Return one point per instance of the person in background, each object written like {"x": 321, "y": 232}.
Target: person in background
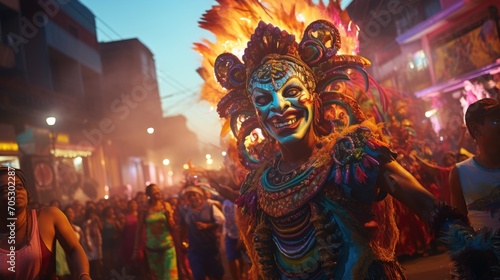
{"x": 79, "y": 210}
{"x": 142, "y": 200}
{"x": 233, "y": 245}
{"x": 180, "y": 249}
{"x": 62, "y": 268}
{"x": 93, "y": 241}
{"x": 111, "y": 228}
{"x": 133, "y": 266}
{"x": 158, "y": 223}
{"x": 200, "y": 222}
{"x": 475, "y": 182}
{"x": 36, "y": 232}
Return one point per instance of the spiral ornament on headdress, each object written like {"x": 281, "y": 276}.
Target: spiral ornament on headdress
{"x": 316, "y": 56}
{"x": 229, "y": 71}
{"x": 321, "y": 41}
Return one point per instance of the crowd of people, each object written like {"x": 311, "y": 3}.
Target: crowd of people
{"x": 154, "y": 236}
{"x": 324, "y": 192}
{"x": 191, "y": 234}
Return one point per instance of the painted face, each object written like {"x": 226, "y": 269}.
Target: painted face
{"x": 283, "y": 102}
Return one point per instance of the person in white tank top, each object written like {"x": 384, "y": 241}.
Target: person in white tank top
{"x": 475, "y": 182}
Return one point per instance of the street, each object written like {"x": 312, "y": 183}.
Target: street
{"x": 435, "y": 267}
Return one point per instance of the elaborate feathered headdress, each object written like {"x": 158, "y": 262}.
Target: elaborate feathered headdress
{"x": 316, "y": 54}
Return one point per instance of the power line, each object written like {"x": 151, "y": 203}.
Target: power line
{"x": 112, "y": 30}
{"x": 178, "y": 85}
{"x": 173, "y": 79}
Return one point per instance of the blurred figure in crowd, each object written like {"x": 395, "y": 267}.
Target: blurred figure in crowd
{"x": 111, "y": 228}
{"x": 200, "y": 221}
{"x": 158, "y": 222}
{"x": 93, "y": 241}
{"x": 133, "y": 266}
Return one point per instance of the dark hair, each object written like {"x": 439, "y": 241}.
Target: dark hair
{"x": 89, "y": 211}
{"x": 67, "y": 208}
{"x": 19, "y": 173}
{"x": 447, "y": 155}
{"x": 149, "y": 189}
{"x": 106, "y": 210}
{"x": 479, "y": 110}
{"x": 4, "y": 170}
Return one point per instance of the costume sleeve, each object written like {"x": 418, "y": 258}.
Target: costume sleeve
{"x": 475, "y": 254}
{"x": 358, "y": 153}
{"x": 218, "y": 216}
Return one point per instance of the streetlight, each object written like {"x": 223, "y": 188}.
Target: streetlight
{"x": 170, "y": 173}
{"x": 47, "y": 194}
{"x": 51, "y": 121}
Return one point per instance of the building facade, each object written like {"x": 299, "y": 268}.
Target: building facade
{"x": 103, "y": 98}
{"x": 446, "y": 53}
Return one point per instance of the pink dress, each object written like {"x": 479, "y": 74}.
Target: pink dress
{"x": 32, "y": 261}
{"x": 128, "y": 237}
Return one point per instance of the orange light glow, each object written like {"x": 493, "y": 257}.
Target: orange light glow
{"x": 232, "y": 23}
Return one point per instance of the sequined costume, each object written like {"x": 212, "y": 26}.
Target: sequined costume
{"x": 307, "y": 216}
{"x": 315, "y": 203}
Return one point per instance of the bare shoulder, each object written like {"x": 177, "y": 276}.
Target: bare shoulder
{"x": 50, "y": 212}
{"x": 167, "y": 205}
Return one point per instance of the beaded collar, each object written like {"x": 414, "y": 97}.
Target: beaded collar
{"x": 281, "y": 193}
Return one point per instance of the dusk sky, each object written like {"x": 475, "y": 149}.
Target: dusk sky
{"x": 169, "y": 29}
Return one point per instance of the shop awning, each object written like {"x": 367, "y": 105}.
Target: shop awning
{"x": 457, "y": 83}
{"x": 8, "y": 143}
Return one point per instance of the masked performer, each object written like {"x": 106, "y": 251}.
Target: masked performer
{"x": 315, "y": 204}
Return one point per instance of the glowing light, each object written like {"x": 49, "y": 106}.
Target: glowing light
{"x": 166, "y": 161}
{"x": 78, "y": 160}
{"x": 232, "y": 23}
{"x": 8, "y": 146}
{"x": 245, "y": 19}
{"x": 150, "y": 130}
{"x": 301, "y": 18}
{"x": 106, "y": 192}
{"x": 208, "y": 156}
{"x": 210, "y": 161}
{"x": 224, "y": 153}
{"x": 430, "y": 113}
{"x": 185, "y": 166}
{"x": 50, "y": 121}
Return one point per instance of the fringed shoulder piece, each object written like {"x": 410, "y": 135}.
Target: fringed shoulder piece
{"x": 358, "y": 153}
